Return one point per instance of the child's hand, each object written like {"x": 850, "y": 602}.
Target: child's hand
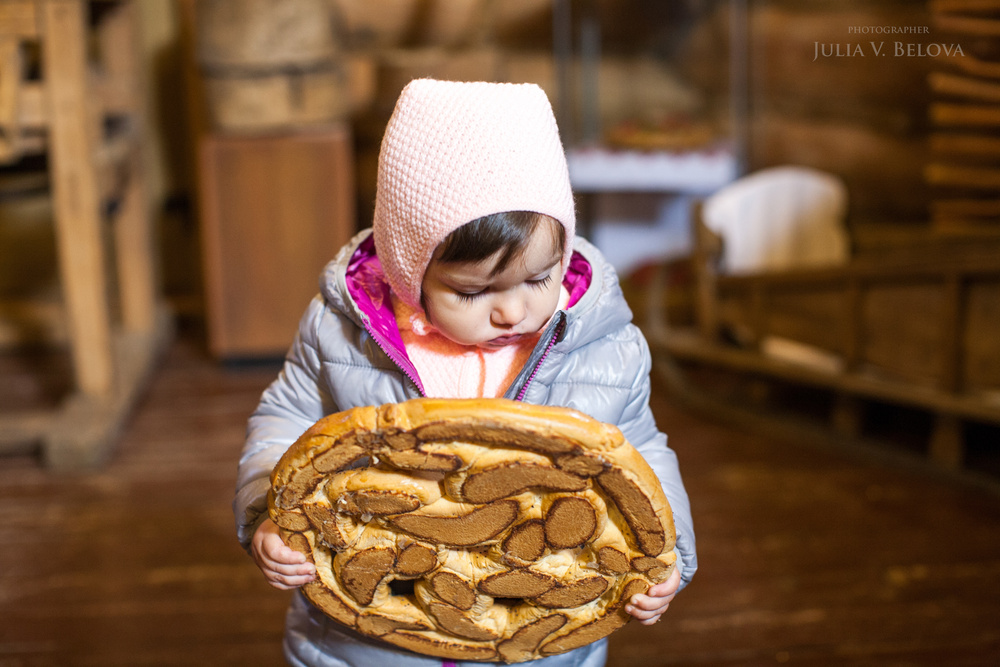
{"x": 283, "y": 567}
{"x": 649, "y": 607}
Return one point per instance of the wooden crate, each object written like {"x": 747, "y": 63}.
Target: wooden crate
{"x": 274, "y": 210}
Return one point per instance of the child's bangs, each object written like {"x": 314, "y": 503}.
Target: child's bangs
{"x": 507, "y": 233}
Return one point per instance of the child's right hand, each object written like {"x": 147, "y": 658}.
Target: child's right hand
{"x": 283, "y": 567}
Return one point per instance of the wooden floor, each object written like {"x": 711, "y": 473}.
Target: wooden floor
{"x": 809, "y": 556}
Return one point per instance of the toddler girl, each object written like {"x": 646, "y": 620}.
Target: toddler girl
{"x": 470, "y": 284}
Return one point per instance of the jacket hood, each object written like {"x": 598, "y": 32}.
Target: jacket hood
{"x": 333, "y": 280}
{"x": 602, "y": 309}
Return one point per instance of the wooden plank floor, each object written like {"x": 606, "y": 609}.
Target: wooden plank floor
{"x": 809, "y": 556}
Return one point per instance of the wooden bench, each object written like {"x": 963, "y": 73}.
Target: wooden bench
{"x": 918, "y": 326}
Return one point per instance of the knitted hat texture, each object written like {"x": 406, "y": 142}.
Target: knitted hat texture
{"x": 457, "y": 151}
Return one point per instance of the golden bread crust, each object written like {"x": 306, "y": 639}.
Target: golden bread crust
{"x": 521, "y": 530}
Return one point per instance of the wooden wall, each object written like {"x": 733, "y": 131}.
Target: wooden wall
{"x": 861, "y": 115}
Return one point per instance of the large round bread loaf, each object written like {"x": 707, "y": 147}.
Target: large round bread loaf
{"x": 481, "y": 529}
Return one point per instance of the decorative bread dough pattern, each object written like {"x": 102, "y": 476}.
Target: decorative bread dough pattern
{"x": 482, "y": 529}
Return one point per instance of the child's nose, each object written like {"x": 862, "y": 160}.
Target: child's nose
{"x": 508, "y": 311}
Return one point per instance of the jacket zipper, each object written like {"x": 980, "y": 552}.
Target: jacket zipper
{"x": 390, "y": 351}
{"x": 548, "y": 346}
{"x": 405, "y": 365}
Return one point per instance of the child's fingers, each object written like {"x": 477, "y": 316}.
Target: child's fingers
{"x": 282, "y": 566}
{"x": 644, "y": 607}
{"x": 290, "y": 569}
{"x": 273, "y": 547}
{"x": 287, "y": 581}
{"x": 666, "y": 588}
{"x": 287, "y": 575}
{"x": 287, "y": 562}
{"x": 647, "y": 609}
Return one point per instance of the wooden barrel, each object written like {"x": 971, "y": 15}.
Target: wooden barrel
{"x": 270, "y": 64}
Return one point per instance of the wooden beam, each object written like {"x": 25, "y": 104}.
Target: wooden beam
{"x": 965, "y": 144}
{"x": 975, "y": 66}
{"x": 687, "y": 345}
{"x": 847, "y": 410}
{"x": 86, "y": 428}
{"x": 77, "y": 207}
{"x": 133, "y": 239}
{"x": 854, "y": 328}
{"x": 111, "y": 95}
{"x": 706, "y": 252}
{"x": 952, "y": 226}
{"x": 10, "y": 94}
{"x": 965, "y": 115}
{"x": 953, "y": 334}
{"x": 19, "y": 18}
{"x": 33, "y": 106}
{"x": 119, "y": 85}
{"x": 961, "y": 176}
{"x": 944, "y": 83}
{"x": 984, "y": 260}
{"x": 121, "y": 54}
{"x": 959, "y": 208}
{"x": 952, "y": 6}
{"x": 966, "y": 25}
{"x": 758, "y": 312}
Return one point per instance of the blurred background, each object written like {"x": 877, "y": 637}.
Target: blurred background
{"x": 811, "y": 188}
{"x": 802, "y": 201}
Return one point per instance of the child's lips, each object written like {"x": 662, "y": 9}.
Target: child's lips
{"x": 506, "y": 339}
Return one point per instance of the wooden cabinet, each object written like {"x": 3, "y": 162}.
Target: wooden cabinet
{"x": 274, "y": 210}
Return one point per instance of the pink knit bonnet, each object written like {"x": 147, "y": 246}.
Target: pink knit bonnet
{"x": 457, "y": 151}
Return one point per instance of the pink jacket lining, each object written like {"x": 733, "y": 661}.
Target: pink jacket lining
{"x": 367, "y": 286}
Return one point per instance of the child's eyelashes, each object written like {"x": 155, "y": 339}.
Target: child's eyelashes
{"x": 536, "y": 283}
{"x": 469, "y": 296}
{"x": 541, "y": 283}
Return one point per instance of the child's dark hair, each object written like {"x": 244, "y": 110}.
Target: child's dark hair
{"x": 508, "y": 232}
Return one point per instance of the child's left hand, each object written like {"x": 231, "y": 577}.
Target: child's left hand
{"x": 649, "y": 607}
